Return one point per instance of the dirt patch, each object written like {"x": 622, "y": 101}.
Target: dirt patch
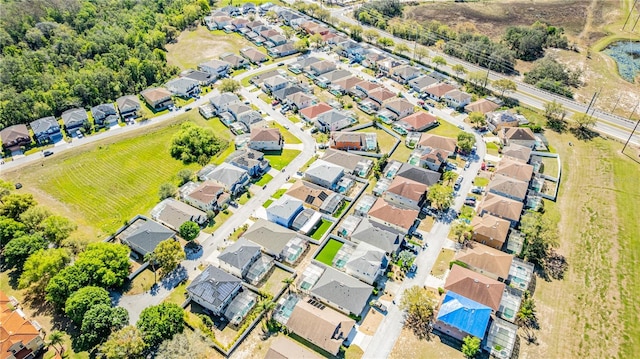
{"x": 442, "y": 263}
{"x": 371, "y": 322}
{"x": 410, "y": 346}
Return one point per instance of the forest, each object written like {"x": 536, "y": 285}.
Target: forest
{"x": 61, "y": 54}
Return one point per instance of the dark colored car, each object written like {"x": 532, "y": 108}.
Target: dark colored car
{"x": 47, "y": 153}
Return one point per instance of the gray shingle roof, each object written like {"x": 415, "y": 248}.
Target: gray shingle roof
{"x": 343, "y": 290}
{"x": 214, "y": 286}
{"x": 240, "y": 253}
{"x": 418, "y": 174}
{"x": 147, "y": 236}
{"x": 285, "y": 207}
{"x": 226, "y": 174}
{"x": 377, "y": 235}
{"x": 128, "y": 103}
{"x": 224, "y": 98}
{"x": 44, "y": 124}
{"x": 269, "y": 235}
{"x": 74, "y": 117}
{"x": 324, "y": 170}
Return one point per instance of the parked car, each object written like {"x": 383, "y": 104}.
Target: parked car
{"x": 79, "y": 134}
{"x": 47, "y": 153}
{"x": 477, "y": 190}
{"x": 377, "y": 304}
{"x": 186, "y": 109}
{"x": 275, "y": 103}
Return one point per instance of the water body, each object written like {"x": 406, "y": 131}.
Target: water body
{"x": 627, "y": 56}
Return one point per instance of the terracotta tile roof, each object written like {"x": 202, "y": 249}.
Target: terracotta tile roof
{"x": 486, "y": 259}
{"x": 475, "y": 286}
{"x": 316, "y": 110}
{"x": 438, "y": 142}
{"x": 400, "y": 217}
{"x": 515, "y": 169}
{"x": 439, "y": 90}
{"x": 266, "y": 134}
{"x": 14, "y": 328}
{"x": 502, "y": 207}
{"x": 407, "y": 188}
{"x": 206, "y": 192}
{"x": 491, "y": 227}
{"x": 367, "y": 85}
{"x": 420, "y": 119}
{"x": 483, "y": 106}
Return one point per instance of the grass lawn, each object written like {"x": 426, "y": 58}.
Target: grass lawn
{"x": 442, "y": 262}
{"x": 480, "y": 181}
{"x": 141, "y": 283}
{"x": 267, "y": 203}
{"x": 294, "y": 119}
{"x": 550, "y": 167}
{"x": 281, "y": 160}
{"x": 220, "y": 218}
{"x": 266, "y": 178}
{"x": 264, "y": 97}
{"x": 329, "y": 251}
{"x": 341, "y": 209}
{"x": 274, "y": 283}
{"x": 492, "y": 148}
{"x": 385, "y": 140}
{"x": 321, "y": 230}
{"x": 279, "y": 193}
{"x": 445, "y": 129}
{"x": 243, "y": 199}
{"x": 353, "y": 352}
{"x": 288, "y": 136}
{"x": 178, "y": 294}
{"x": 401, "y": 153}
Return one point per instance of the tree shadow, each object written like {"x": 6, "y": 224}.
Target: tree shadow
{"x": 584, "y": 134}
{"x": 559, "y": 126}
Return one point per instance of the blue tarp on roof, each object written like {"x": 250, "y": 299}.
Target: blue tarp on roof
{"x": 465, "y": 314}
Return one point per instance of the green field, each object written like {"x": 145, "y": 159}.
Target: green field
{"x": 480, "y": 181}
{"x": 321, "y": 230}
{"x": 281, "y": 160}
{"x": 102, "y": 185}
{"x": 492, "y": 148}
{"x": 266, "y": 178}
{"x": 328, "y": 252}
{"x": 286, "y": 134}
{"x": 445, "y": 129}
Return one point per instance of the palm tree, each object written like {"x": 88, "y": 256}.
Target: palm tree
{"x": 56, "y": 337}
{"x": 449, "y": 176}
{"x": 289, "y": 282}
{"x": 267, "y": 306}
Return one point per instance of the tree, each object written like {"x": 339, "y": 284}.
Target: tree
{"x": 477, "y": 78}
{"x": 266, "y": 306}
{"x": 301, "y": 45}
{"x": 98, "y": 323}
{"x": 229, "y": 85}
{"x": 184, "y": 345}
{"x": 323, "y": 14}
{"x": 526, "y": 316}
{"x": 449, "y": 176}
{"x": 189, "y": 231}
{"x": 470, "y": 346}
{"x": 400, "y": 48}
{"x": 185, "y": 176}
{"x": 555, "y": 113}
{"x": 41, "y": 266}
{"x": 84, "y": 299}
{"x": 370, "y": 34}
{"x": 439, "y": 61}
{"x": 19, "y": 249}
{"x": 271, "y": 15}
{"x": 459, "y": 69}
{"x": 421, "y": 52}
{"x": 477, "y": 119}
{"x": 14, "y": 204}
{"x": 125, "y": 343}
{"x": 5, "y": 188}
{"x": 466, "y": 141}
{"x": 168, "y": 255}
{"x": 418, "y": 303}
{"x": 9, "y": 229}
{"x": 385, "y": 42}
{"x": 440, "y": 196}
{"x": 195, "y": 144}
{"x": 57, "y": 228}
{"x": 504, "y": 85}
{"x": 406, "y": 258}
{"x": 540, "y": 238}
{"x": 316, "y": 39}
{"x": 583, "y": 120}
{"x": 160, "y": 322}
{"x": 462, "y": 231}
{"x": 167, "y": 190}
{"x": 33, "y": 216}
{"x": 355, "y": 32}
{"x": 56, "y": 337}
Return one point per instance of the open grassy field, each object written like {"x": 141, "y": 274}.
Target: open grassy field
{"x": 286, "y": 134}
{"x": 281, "y": 160}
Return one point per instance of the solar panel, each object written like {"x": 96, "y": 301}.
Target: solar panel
{"x": 323, "y": 196}
{"x": 309, "y": 199}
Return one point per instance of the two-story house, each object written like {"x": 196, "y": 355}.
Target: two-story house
{"x": 406, "y": 193}
{"x": 233, "y": 178}
{"x": 214, "y": 289}
{"x": 284, "y": 210}
{"x": 74, "y": 119}
{"x": 104, "y": 115}
{"x": 222, "y": 101}
{"x": 266, "y": 139}
{"x": 14, "y": 137}
{"x": 208, "y": 195}
{"x": 46, "y": 130}
{"x": 158, "y": 98}
{"x": 184, "y": 87}
{"x": 457, "y": 99}
{"x": 324, "y": 174}
{"x": 249, "y": 160}
{"x": 128, "y": 106}
{"x": 238, "y": 257}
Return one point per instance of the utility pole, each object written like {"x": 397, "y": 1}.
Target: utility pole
{"x": 634, "y": 128}
{"x": 630, "y": 12}
{"x": 591, "y": 102}
{"x": 636, "y": 23}
{"x": 616, "y": 105}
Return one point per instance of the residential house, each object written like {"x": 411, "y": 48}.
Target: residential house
{"x": 302, "y": 64}
{"x": 366, "y": 263}
{"x": 276, "y": 40}
{"x": 498, "y": 120}
{"x": 219, "y": 22}
{"x": 387, "y": 64}
{"x": 14, "y": 137}
{"x": 483, "y": 106}
{"x": 405, "y": 73}
{"x": 508, "y": 187}
{"x": 208, "y": 195}
{"x": 254, "y": 25}
{"x": 306, "y": 221}
{"x": 239, "y": 23}
{"x": 240, "y": 306}
{"x": 380, "y": 95}
{"x": 310, "y": 113}
{"x": 203, "y": 78}
{"x": 438, "y": 142}
{"x": 363, "y": 88}
{"x": 300, "y": 100}
{"x": 490, "y": 230}
{"x": 249, "y": 160}
{"x": 433, "y": 159}
{"x": 515, "y": 169}
{"x": 284, "y": 348}
{"x": 238, "y": 257}
{"x": 74, "y": 119}
{"x": 158, "y": 98}
{"x": 249, "y": 8}
{"x": 457, "y": 99}
{"x": 417, "y": 122}
{"x": 142, "y": 235}
{"x": 184, "y": 87}
{"x": 517, "y": 153}
{"x": 214, "y": 289}
{"x": 222, "y": 101}
{"x": 174, "y": 214}
{"x": 276, "y": 240}
{"x": 522, "y": 136}
{"x": 283, "y": 50}
{"x": 324, "y": 174}
{"x": 360, "y": 141}
{"x": 400, "y": 108}
{"x": 377, "y": 235}
{"x": 253, "y": 55}
{"x": 475, "y": 286}
{"x": 284, "y": 210}
{"x": 218, "y": 68}
{"x": 422, "y": 83}
{"x": 418, "y": 174}
{"x": 274, "y": 83}
{"x": 45, "y": 130}
{"x": 320, "y": 325}
{"x": 401, "y": 219}
{"x": 233, "y": 178}
{"x": 501, "y": 339}
{"x": 236, "y": 61}
{"x": 341, "y": 291}
{"x": 437, "y": 92}
{"x": 104, "y": 115}
{"x": 282, "y": 94}
{"x": 502, "y": 207}
{"x": 128, "y": 106}
{"x": 485, "y": 260}
{"x": 321, "y": 67}
{"x": 328, "y": 78}
{"x": 316, "y": 197}
{"x": 332, "y": 120}
{"x": 460, "y": 317}
{"x": 231, "y": 10}
{"x": 288, "y": 16}
{"x": 19, "y": 336}
{"x": 406, "y": 193}
{"x": 266, "y": 139}
{"x": 244, "y": 113}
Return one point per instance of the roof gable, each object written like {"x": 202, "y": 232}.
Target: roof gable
{"x": 475, "y": 286}
{"x": 465, "y": 314}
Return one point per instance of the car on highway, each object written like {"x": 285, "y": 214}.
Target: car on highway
{"x": 281, "y": 64}
{"x": 187, "y": 109}
{"x": 47, "y": 153}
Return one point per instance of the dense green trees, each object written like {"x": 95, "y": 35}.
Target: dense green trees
{"x": 58, "y": 55}
{"x": 550, "y": 75}
{"x": 189, "y": 230}
{"x": 98, "y": 323}
{"x": 166, "y": 256}
{"x": 528, "y": 42}
{"x": 160, "y": 322}
{"x": 195, "y": 144}
{"x": 126, "y": 343}
{"x": 470, "y": 346}
{"x": 440, "y": 196}
{"x": 466, "y": 141}
{"x": 418, "y": 303}
{"x": 84, "y": 299}
{"x": 41, "y": 266}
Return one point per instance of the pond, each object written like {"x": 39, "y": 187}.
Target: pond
{"x": 627, "y": 56}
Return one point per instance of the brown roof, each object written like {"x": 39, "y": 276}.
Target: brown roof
{"x": 381, "y": 94}
{"x": 486, "y": 259}
{"x": 14, "y": 328}
{"x": 515, "y": 169}
{"x": 439, "y": 90}
{"x": 399, "y": 104}
{"x": 407, "y": 188}
{"x": 439, "y": 142}
{"x": 491, "y": 227}
{"x": 400, "y": 217}
{"x": 308, "y": 193}
{"x": 457, "y": 95}
{"x": 13, "y": 133}
{"x": 206, "y": 192}
{"x": 518, "y": 133}
{"x": 420, "y": 119}
{"x": 502, "y": 207}
{"x": 509, "y": 186}
{"x": 368, "y": 85}
{"x": 284, "y": 348}
{"x": 266, "y": 134}
{"x": 483, "y": 106}
{"x": 475, "y": 286}
{"x": 155, "y": 94}
{"x": 325, "y": 327}
{"x": 316, "y": 110}
{"x": 517, "y": 152}
{"x": 347, "y": 83}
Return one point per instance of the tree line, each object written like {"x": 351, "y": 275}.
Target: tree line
{"x": 57, "y": 55}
